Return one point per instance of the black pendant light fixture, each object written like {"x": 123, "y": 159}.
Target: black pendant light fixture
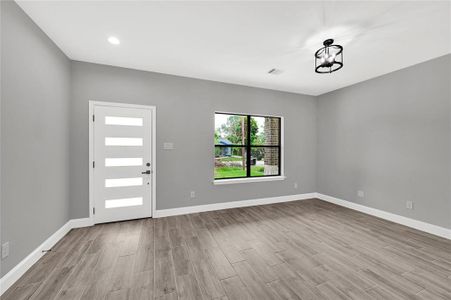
{"x": 329, "y": 58}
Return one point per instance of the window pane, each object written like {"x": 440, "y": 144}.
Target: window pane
{"x": 123, "y": 202}
{"x": 123, "y": 162}
{"x": 114, "y": 141}
{"x": 265, "y": 131}
{"x": 264, "y": 161}
{"x": 230, "y": 129}
{"x": 123, "y": 121}
{"x": 230, "y": 162}
{"x": 120, "y": 182}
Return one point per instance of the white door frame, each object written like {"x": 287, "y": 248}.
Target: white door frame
{"x": 153, "y": 148}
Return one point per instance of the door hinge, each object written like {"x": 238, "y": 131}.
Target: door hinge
{"x": 93, "y": 118}
{"x": 93, "y": 164}
{"x": 93, "y": 210}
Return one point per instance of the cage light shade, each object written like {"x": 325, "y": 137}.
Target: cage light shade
{"x": 329, "y": 58}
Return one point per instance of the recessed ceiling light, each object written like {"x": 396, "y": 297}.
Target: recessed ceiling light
{"x": 113, "y": 40}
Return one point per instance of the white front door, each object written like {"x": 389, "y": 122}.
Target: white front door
{"x": 122, "y": 165}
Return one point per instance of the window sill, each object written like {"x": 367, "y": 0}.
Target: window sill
{"x": 248, "y": 180}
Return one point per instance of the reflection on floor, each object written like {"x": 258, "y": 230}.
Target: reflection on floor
{"x": 306, "y": 249}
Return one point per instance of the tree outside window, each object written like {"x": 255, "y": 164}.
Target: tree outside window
{"x": 242, "y": 153}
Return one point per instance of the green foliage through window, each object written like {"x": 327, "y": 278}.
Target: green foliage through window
{"x": 235, "y": 157}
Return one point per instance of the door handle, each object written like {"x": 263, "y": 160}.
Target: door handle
{"x": 146, "y": 172}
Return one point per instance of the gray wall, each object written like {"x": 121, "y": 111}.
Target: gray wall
{"x": 185, "y": 116}
{"x": 35, "y": 92}
{"x": 390, "y": 137}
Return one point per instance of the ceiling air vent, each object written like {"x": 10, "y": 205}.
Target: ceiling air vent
{"x": 275, "y": 71}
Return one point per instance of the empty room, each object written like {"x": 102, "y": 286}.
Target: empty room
{"x": 225, "y": 150}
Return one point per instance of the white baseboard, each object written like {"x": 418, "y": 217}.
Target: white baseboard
{"x": 419, "y": 225}
{"x": 15, "y": 273}
{"x": 78, "y": 223}
{"x": 226, "y": 205}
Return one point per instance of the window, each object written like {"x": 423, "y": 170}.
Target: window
{"x": 247, "y": 146}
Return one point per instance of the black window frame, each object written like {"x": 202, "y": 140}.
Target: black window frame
{"x": 248, "y": 146}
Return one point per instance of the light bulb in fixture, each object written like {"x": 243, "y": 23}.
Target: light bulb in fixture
{"x": 114, "y": 40}
{"x": 331, "y": 58}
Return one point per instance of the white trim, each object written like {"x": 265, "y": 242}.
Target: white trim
{"x": 91, "y": 159}
{"x": 15, "y": 273}
{"x": 118, "y": 104}
{"x": 78, "y": 223}
{"x": 153, "y": 150}
{"x": 247, "y": 113}
{"x": 233, "y": 204}
{"x": 282, "y": 146}
{"x": 153, "y": 205}
{"x": 248, "y": 180}
{"x": 419, "y": 225}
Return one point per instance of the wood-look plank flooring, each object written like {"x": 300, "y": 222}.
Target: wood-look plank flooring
{"x": 306, "y": 249}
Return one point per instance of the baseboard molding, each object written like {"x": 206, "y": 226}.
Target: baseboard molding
{"x": 226, "y": 205}
{"x": 78, "y": 223}
{"x": 15, "y": 273}
{"x": 419, "y": 225}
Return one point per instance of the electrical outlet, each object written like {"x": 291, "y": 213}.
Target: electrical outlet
{"x": 361, "y": 194}
{"x": 295, "y": 185}
{"x": 5, "y": 250}
{"x": 409, "y": 204}
{"x": 192, "y": 194}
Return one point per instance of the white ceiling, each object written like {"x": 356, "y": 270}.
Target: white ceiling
{"x": 238, "y": 42}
